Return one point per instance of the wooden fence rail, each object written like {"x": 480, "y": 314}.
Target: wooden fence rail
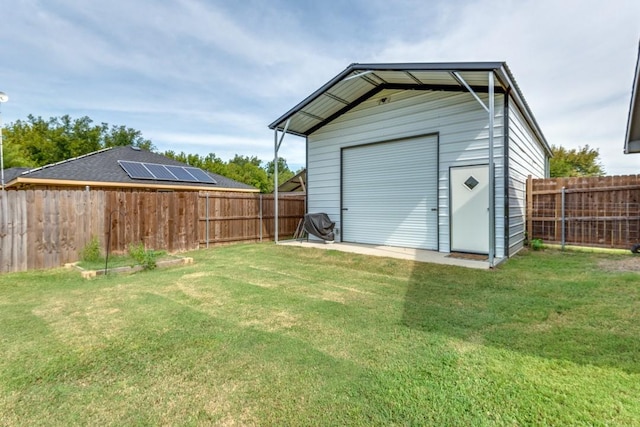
{"x": 227, "y": 218}
{"x": 585, "y": 211}
{"x": 47, "y": 228}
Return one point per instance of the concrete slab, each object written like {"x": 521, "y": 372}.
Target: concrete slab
{"x": 419, "y": 255}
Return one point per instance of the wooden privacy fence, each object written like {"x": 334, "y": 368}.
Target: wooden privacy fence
{"x": 44, "y": 228}
{"x": 225, "y": 217}
{"x": 47, "y": 228}
{"x": 585, "y": 211}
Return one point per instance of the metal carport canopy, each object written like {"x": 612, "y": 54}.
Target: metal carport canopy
{"x": 359, "y": 82}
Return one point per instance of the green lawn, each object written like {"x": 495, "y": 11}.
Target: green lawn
{"x": 273, "y": 335}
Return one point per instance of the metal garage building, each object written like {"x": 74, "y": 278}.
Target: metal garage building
{"x": 431, "y": 156}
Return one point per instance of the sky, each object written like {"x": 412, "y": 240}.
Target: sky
{"x": 209, "y": 76}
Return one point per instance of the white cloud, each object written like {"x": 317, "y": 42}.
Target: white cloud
{"x": 573, "y": 60}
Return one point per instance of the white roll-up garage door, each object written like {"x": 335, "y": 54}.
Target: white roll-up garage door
{"x": 390, "y": 193}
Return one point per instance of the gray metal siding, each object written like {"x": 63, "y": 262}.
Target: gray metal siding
{"x": 526, "y": 157}
{"x": 463, "y": 140}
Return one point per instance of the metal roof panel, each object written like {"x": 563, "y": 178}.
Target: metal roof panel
{"x": 358, "y": 81}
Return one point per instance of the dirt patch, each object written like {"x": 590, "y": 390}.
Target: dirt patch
{"x": 334, "y": 296}
{"x": 462, "y": 255}
{"x": 273, "y": 321}
{"x": 75, "y": 323}
{"x": 628, "y": 264}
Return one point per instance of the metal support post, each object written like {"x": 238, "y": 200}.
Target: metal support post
{"x": 5, "y": 223}
{"x": 491, "y": 110}
{"x": 492, "y": 207}
{"x": 276, "y": 148}
{"x": 275, "y": 178}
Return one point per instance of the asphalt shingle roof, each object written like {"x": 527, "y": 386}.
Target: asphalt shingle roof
{"x": 12, "y": 173}
{"x": 102, "y": 166}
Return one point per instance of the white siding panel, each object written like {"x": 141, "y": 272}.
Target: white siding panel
{"x": 526, "y": 157}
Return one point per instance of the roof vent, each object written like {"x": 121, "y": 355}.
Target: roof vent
{"x": 135, "y": 148}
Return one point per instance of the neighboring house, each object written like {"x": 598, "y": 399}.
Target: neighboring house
{"x": 632, "y": 140}
{"x": 295, "y": 184}
{"x": 122, "y": 167}
{"x": 399, "y": 155}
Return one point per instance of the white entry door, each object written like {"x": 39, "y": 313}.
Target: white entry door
{"x": 470, "y": 209}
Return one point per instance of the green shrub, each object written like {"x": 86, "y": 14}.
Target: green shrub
{"x": 536, "y": 244}
{"x": 91, "y": 251}
{"x": 143, "y": 257}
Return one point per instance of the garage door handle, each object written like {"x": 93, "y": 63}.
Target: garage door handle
{"x": 345, "y": 209}
{"x": 434, "y": 209}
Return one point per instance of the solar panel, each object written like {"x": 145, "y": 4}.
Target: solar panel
{"x": 139, "y": 170}
{"x": 200, "y": 175}
{"x": 135, "y": 170}
{"x": 160, "y": 172}
{"x": 181, "y": 173}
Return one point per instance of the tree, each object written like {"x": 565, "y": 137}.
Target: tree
{"x": 581, "y": 161}
{"x": 284, "y": 173}
{"x": 245, "y": 169}
{"x": 215, "y": 164}
{"x": 210, "y": 163}
{"x": 248, "y": 170}
{"x": 15, "y": 156}
{"x": 121, "y": 136}
{"x": 38, "y": 142}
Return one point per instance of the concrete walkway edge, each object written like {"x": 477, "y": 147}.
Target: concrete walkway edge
{"x": 419, "y": 255}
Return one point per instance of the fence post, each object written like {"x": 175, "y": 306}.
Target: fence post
{"x": 5, "y": 220}
{"x": 529, "y": 214}
{"x": 261, "y": 217}
{"x": 563, "y": 218}
{"x": 207, "y": 220}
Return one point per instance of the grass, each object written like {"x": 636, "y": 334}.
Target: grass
{"x": 119, "y": 260}
{"x": 271, "y": 335}
{"x": 114, "y": 261}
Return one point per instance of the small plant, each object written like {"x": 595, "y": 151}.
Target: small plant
{"x": 91, "y": 251}
{"x": 536, "y": 244}
{"x": 143, "y": 257}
